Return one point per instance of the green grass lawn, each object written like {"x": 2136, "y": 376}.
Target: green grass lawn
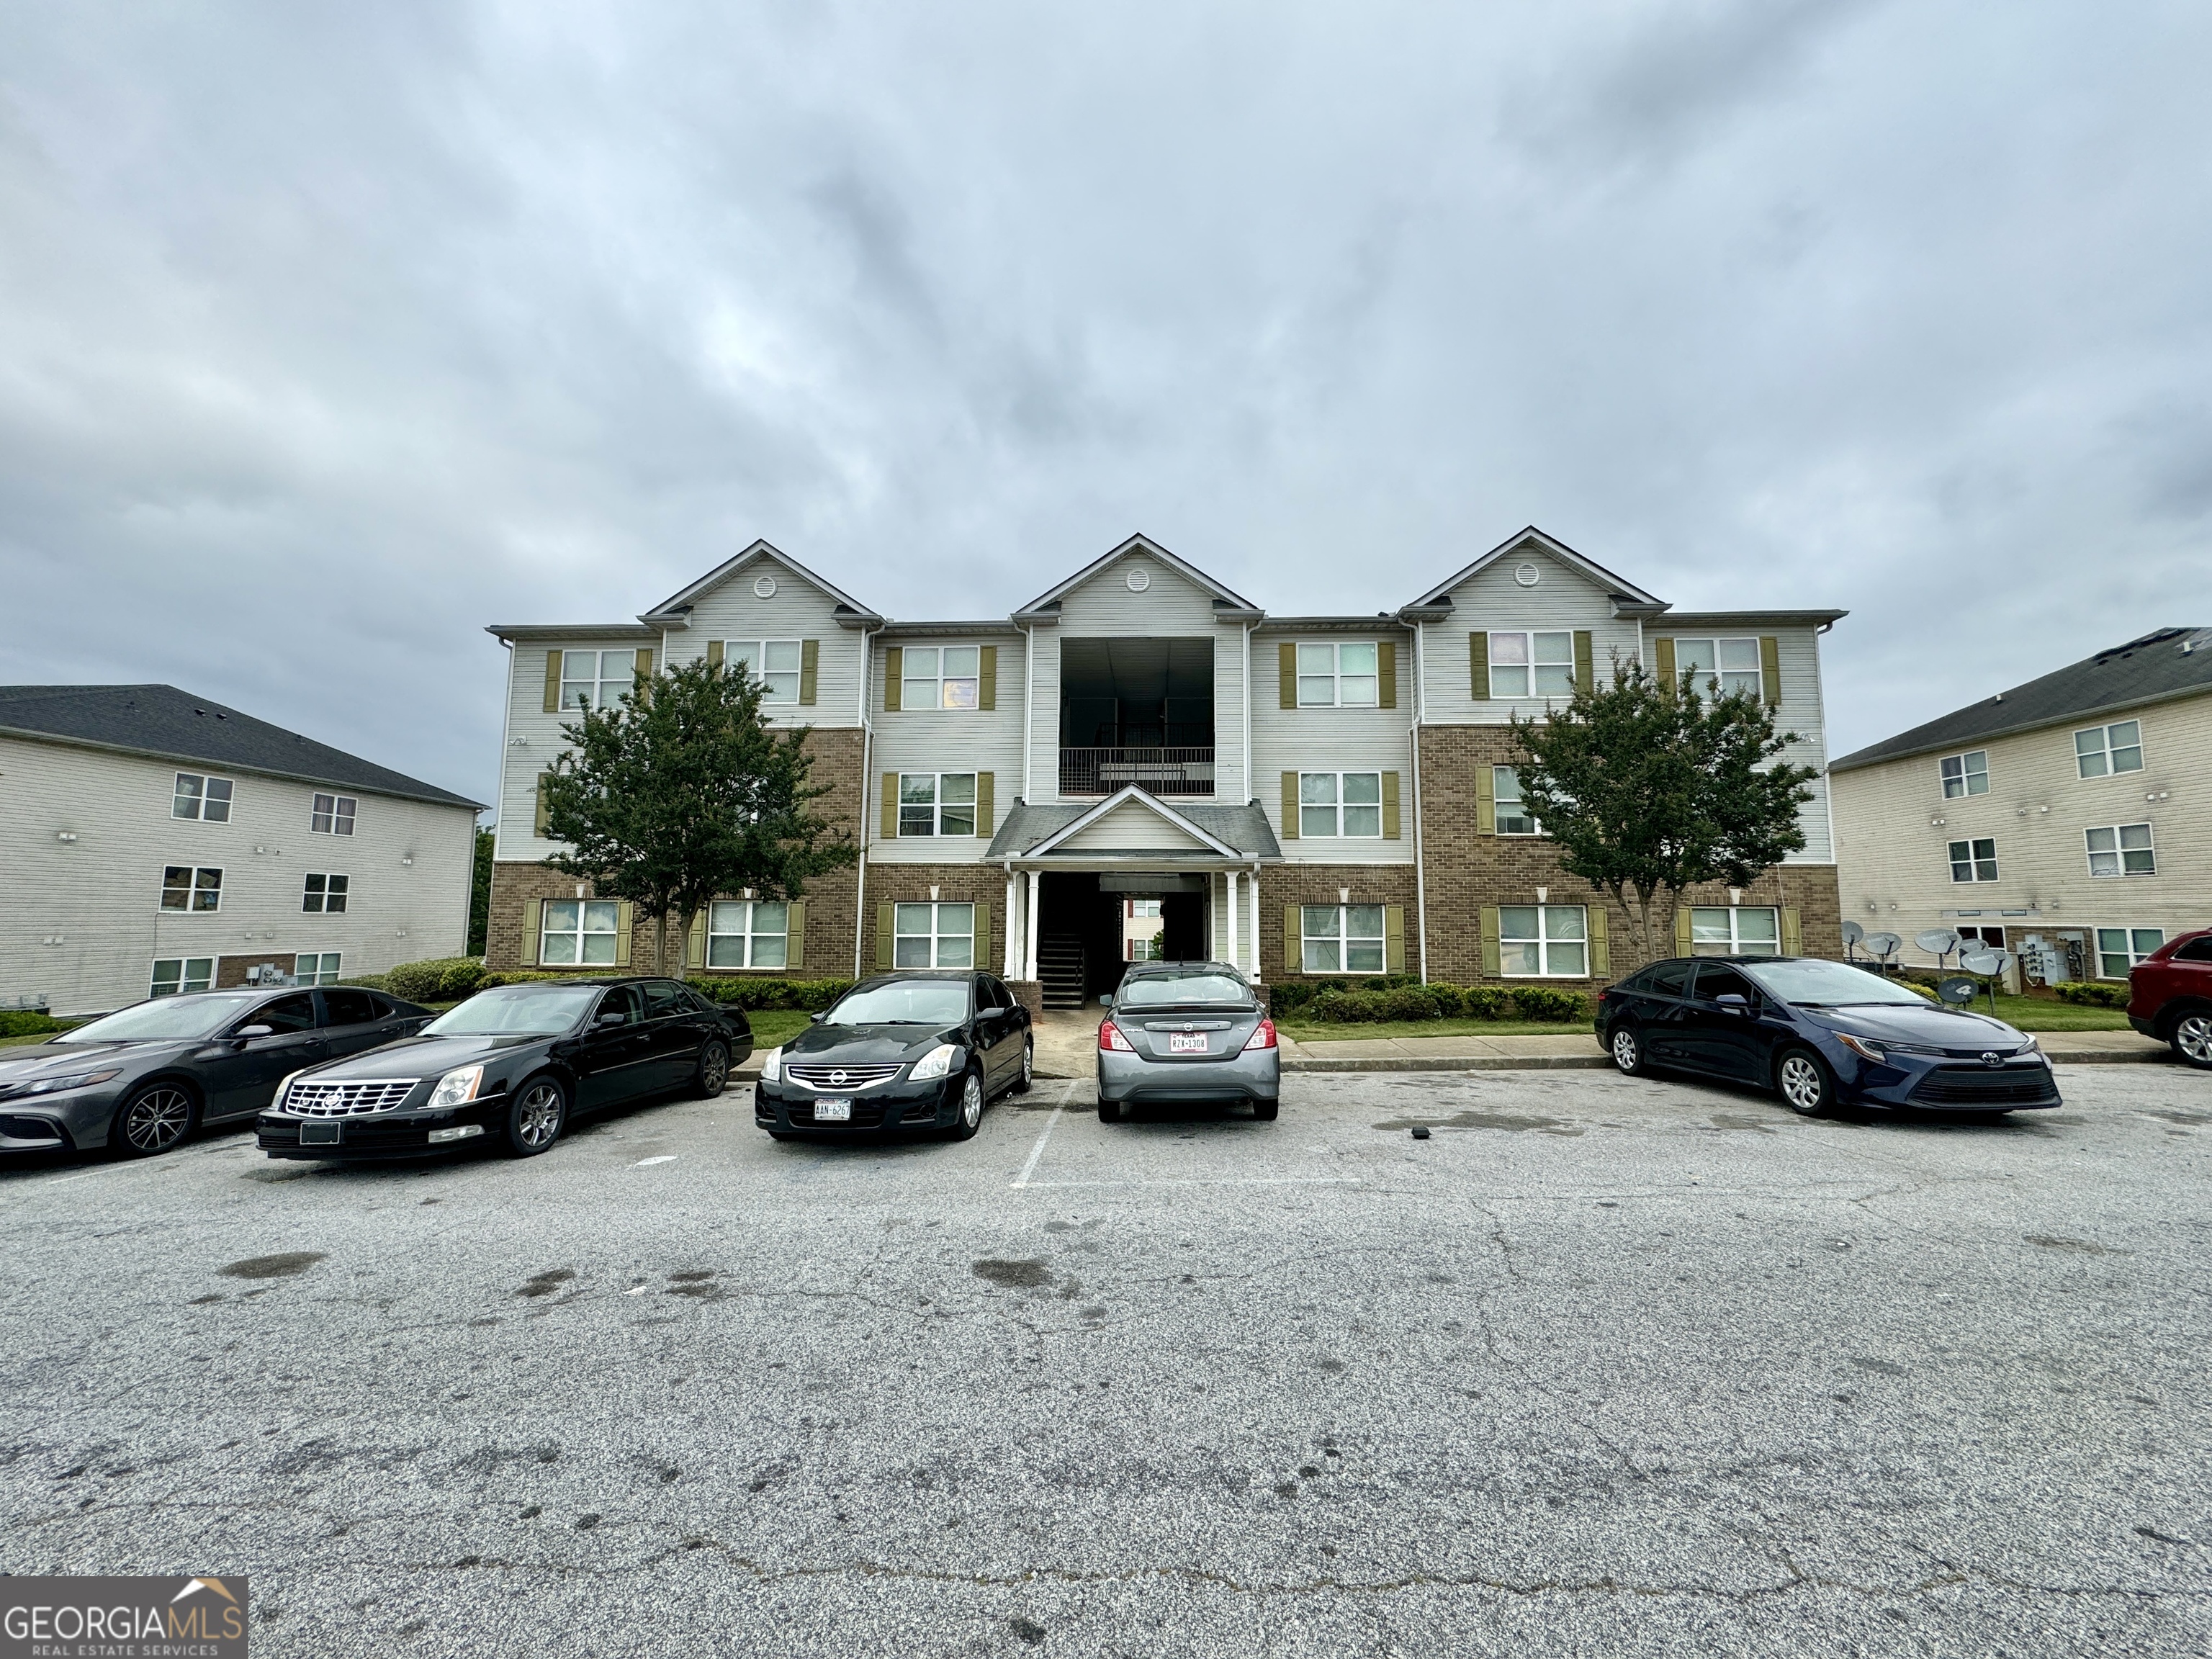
{"x": 17, "y": 1042}
{"x": 1306, "y": 1030}
{"x": 2041, "y": 1014}
{"x": 772, "y": 1027}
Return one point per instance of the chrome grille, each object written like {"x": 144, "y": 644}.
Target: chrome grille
{"x": 349, "y": 1098}
{"x": 838, "y": 1078}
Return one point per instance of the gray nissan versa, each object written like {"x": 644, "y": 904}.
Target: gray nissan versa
{"x": 1187, "y": 1031}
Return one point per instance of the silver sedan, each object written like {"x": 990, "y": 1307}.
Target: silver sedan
{"x": 1187, "y": 1031}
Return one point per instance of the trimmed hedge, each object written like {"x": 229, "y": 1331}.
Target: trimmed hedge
{"x": 449, "y": 978}
{"x": 808, "y": 995}
{"x": 1398, "y": 999}
{"x": 440, "y": 979}
{"x": 30, "y": 1023}
{"x": 2085, "y": 994}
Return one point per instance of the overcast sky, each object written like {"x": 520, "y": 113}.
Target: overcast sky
{"x": 329, "y": 335}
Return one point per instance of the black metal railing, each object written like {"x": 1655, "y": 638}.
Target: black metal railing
{"x": 1155, "y": 771}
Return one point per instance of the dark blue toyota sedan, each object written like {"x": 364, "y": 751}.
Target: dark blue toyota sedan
{"x": 1821, "y": 1034}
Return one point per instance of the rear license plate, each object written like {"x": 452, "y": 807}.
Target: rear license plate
{"x": 323, "y": 1133}
{"x": 833, "y": 1111}
{"x": 1192, "y": 1042}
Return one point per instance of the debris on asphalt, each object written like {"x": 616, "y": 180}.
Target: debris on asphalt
{"x": 1420, "y": 1133}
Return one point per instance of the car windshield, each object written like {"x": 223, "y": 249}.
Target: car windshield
{"x": 515, "y": 1011}
{"x": 903, "y": 1002}
{"x": 1827, "y": 984}
{"x": 1173, "y": 990}
{"x": 167, "y": 1019}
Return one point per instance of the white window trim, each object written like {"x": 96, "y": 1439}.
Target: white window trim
{"x": 1543, "y": 941}
{"x": 937, "y": 934}
{"x": 1336, "y": 808}
{"x": 2135, "y": 959}
{"x": 1497, "y": 807}
{"x": 1529, "y": 666}
{"x": 1974, "y": 861}
{"x": 598, "y": 679}
{"x": 1343, "y": 939}
{"x": 937, "y": 806}
{"x": 329, "y": 965}
{"x": 1735, "y": 939}
{"x": 325, "y": 877}
{"x": 2106, "y": 749}
{"x": 1716, "y": 685}
{"x": 748, "y": 934}
{"x": 1966, "y": 774}
{"x": 939, "y": 680}
{"x": 1336, "y": 672}
{"x": 187, "y": 981}
{"x": 344, "y": 810}
{"x": 202, "y": 800}
{"x": 2118, "y": 853}
{"x": 760, "y": 670}
{"x": 192, "y": 890}
{"x": 579, "y": 933}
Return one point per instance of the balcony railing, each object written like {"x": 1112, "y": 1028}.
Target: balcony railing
{"x": 1155, "y": 771}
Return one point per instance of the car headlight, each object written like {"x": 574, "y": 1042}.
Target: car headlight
{"x": 1864, "y": 1048}
{"x": 284, "y": 1091}
{"x": 54, "y": 1086}
{"x": 772, "y": 1067}
{"x": 2032, "y": 1047}
{"x": 456, "y": 1088}
{"x": 936, "y": 1063}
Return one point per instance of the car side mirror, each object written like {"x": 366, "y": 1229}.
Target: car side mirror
{"x": 255, "y": 1031}
{"x": 1733, "y": 1002}
{"x": 1107, "y": 1000}
{"x": 611, "y": 1019}
{"x": 816, "y": 1019}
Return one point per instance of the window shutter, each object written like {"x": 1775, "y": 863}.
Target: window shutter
{"x": 883, "y": 928}
{"x": 1681, "y": 930}
{"x": 1286, "y": 660}
{"x": 625, "y": 925}
{"x": 810, "y": 670}
{"x": 889, "y": 826}
{"x": 552, "y": 681}
{"x": 1293, "y": 941}
{"x": 1600, "y": 952}
{"x": 645, "y": 661}
{"x": 794, "y": 935}
{"x": 694, "y": 947}
{"x": 1793, "y": 934}
{"x": 1485, "y": 801}
{"x": 1391, "y": 828}
{"x": 1665, "y": 650}
{"x": 1585, "y": 667}
{"x": 714, "y": 652}
{"x": 986, "y": 786}
{"x": 533, "y": 926}
{"x": 538, "y": 827}
{"x": 893, "y": 666}
{"x": 987, "y": 677}
{"x": 1478, "y": 667}
{"x": 1393, "y": 939}
{"x": 1489, "y": 930}
{"x": 1290, "y": 807}
{"x": 1386, "y": 668}
{"x": 980, "y": 952}
{"x": 1769, "y": 669}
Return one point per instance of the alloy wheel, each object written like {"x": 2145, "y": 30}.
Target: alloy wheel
{"x": 971, "y": 1101}
{"x": 1626, "y": 1053}
{"x": 714, "y": 1070}
{"x": 2193, "y": 1038}
{"x": 539, "y": 1118}
{"x": 1029, "y": 1061}
{"x": 157, "y": 1119}
{"x": 1802, "y": 1086}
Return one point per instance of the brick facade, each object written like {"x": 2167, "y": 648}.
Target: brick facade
{"x": 1282, "y": 885}
{"x": 956, "y": 883}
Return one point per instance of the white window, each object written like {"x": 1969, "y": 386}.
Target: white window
{"x": 1144, "y": 907}
{"x": 579, "y": 931}
{"x": 1543, "y": 941}
{"x": 941, "y": 677}
{"x": 1966, "y": 774}
{"x": 175, "y": 973}
{"x": 773, "y": 663}
{"x": 2103, "y": 750}
{"x": 937, "y": 804}
{"x": 1340, "y": 803}
{"x": 1511, "y": 817}
{"x": 325, "y": 895}
{"x": 316, "y": 969}
{"x": 1341, "y": 939}
{"x": 748, "y": 933}
{"x": 596, "y": 679}
{"x": 934, "y": 936}
{"x": 331, "y": 815}
{"x": 184, "y": 888}
{"x": 202, "y": 797}
{"x": 1726, "y": 931}
{"x": 2123, "y": 850}
{"x": 1974, "y": 861}
{"x": 1338, "y": 675}
{"x": 1532, "y": 665}
{"x": 2119, "y": 948}
{"x": 1143, "y": 950}
{"x": 1724, "y": 667}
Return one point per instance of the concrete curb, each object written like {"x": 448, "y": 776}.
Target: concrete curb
{"x": 1457, "y": 1063}
{"x": 2111, "y": 1057}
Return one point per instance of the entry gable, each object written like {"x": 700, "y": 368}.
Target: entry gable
{"x": 1228, "y": 605}
{"x": 1532, "y": 545}
{"x": 674, "y": 611}
{"x": 1133, "y": 822}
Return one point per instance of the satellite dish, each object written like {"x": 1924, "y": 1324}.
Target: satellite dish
{"x": 1957, "y": 991}
{"x": 1853, "y": 933}
{"x": 1937, "y": 941}
{"x": 1986, "y": 962}
{"x": 1883, "y": 945}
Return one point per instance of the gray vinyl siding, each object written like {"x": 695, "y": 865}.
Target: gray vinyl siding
{"x": 1332, "y": 740}
{"x": 533, "y": 739}
{"x": 798, "y": 610}
{"x": 946, "y": 740}
{"x": 1490, "y": 600}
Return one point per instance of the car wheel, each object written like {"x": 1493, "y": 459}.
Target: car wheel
{"x": 971, "y": 1108}
{"x": 1626, "y": 1047}
{"x": 1265, "y": 1110}
{"x": 713, "y": 1072}
{"x": 153, "y": 1120}
{"x": 2193, "y": 1040}
{"x": 1028, "y": 1068}
{"x": 1806, "y": 1086}
{"x": 536, "y": 1118}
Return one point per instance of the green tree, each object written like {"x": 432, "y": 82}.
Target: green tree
{"x": 480, "y": 896}
{"x": 1648, "y": 788}
{"x": 680, "y": 794}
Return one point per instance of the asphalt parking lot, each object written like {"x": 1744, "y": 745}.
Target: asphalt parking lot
{"x": 1603, "y": 1366}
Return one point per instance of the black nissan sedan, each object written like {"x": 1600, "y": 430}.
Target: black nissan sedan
{"x": 510, "y": 1068}
{"x": 921, "y": 1050}
{"x": 1821, "y": 1034}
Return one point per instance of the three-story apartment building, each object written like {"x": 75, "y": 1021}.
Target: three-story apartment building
{"x": 1322, "y": 796}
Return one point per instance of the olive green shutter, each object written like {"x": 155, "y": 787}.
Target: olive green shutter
{"x": 1286, "y": 658}
{"x": 1585, "y": 669}
{"x": 889, "y": 826}
{"x": 552, "y": 681}
{"x": 1601, "y": 953}
{"x": 987, "y": 677}
{"x": 539, "y": 826}
{"x": 894, "y": 667}
{"x": 694, "y": 946}
{"x": 1290, "y": 807}
{"x": 982, "y": 956}
{"x": 1393, "y": 939}
{"x": 714, "y": 652}
{"x": 1386, "y": 669}
{"x": 1391, "y": 828}
{"x": 810, "y": 670}
{"x": 533, "y": 924}
{"x": 1793, "y": 934}
{"x": 625, "y": 924}
{"x": 1681, "y": 930}
{"x": 645, "y": 661}
{"x": 1478, "y": 667}
{"x": 1665, "y": 649}
{"x": 1489, "y": 930}
{"x": 1485, "y": 801}
{"x": 1294, "y": 961}
{"x": 883, "y": 926}
{"x": 986, "y": 786}
{"x": 794, "y": 934}
{"x": 1769, "y": 669}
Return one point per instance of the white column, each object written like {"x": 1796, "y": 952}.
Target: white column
{"x": 1253, "y": 884}
{"x": 1230, "y": 877}
{"x": 1029, "y": 926}
{"x": 1007, "y": 972}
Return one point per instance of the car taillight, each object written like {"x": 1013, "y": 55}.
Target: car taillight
{"x": 1109, "y": 1036}
{"x": 1263, "y": 1037}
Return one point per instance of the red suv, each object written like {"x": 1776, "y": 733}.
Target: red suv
{"x": 2170, "y": 996}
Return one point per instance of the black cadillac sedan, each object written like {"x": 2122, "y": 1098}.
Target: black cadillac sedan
{"x": 1821, "y": 1034}
{"x": 510, "y": 1068}
{"x": 921, "y": 1050}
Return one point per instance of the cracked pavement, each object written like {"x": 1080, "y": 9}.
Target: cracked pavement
{"x": 1605, "y": 1366}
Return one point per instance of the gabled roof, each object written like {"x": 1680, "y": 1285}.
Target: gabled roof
{"x": 2167, "y": 663}
{"x": 162, "y": 723}
{"x": 1224, "y": 596}
{"x": 1231, "y": 832}
{"x": 668, "y": 611}
{"x": 1618, "y": 586}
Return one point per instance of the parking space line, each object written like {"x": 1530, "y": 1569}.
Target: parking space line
{"x": 1209, "y": 1181}
{"x": 1037, "y": 1151}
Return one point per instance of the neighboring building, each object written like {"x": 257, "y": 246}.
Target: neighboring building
{"x": 2064, "y": 820}
{"x": 1141, "y": 925}
{"x": 158, "y": 841}
{"x": 1301, "y": 794}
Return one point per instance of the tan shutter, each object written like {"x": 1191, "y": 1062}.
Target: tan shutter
{"x": 1769, "y": 669}
{"x": 1681, "y": 930}
{"x": 625, "y": 925}
{"x": 533, "y": 927}
{"x": 714, "y": 652}
{"x": 810, "y": 670}
{"x": 1793, "y": 934}
{"x": 1585, "y": 667}
{"x": 1485, "y": 801}
{"x": 645, "y": 661}
{"x": 986, "y": 786}
{"x": 794, "y": 935}
{"x": 539, "y": 826}
{"x": 978, "y": 953}
{"x": 552, "y": 681}
{"x": 1391, "y": 828}
{"x": 1665, "y": 651}
{"x": 1490, "y": 947}
{"x": 1478, "y": 667}
{"x": 1600, "y": 952}
{"x": 1294, "y": 959}
{"x": 694, "y": 946}
{"x": 888, "y": 827}
{"x": 1393, "y": 939}
{"x": 884, "y": 921}
{"x": 1386, "y": 668}
{"x": 893, "y": 666}
{"x": 1287, "y": 663}
{"x": 1290, "y": 807}
{"x": 987, "y": 677}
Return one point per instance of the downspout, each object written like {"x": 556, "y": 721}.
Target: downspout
{"x": 1247, "y": 720}
{"x": 1420, "y": 859}
{"x": 1029, "y": 706}
{"x": 867, "y": 771}
{"x": 498, "y": 812}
